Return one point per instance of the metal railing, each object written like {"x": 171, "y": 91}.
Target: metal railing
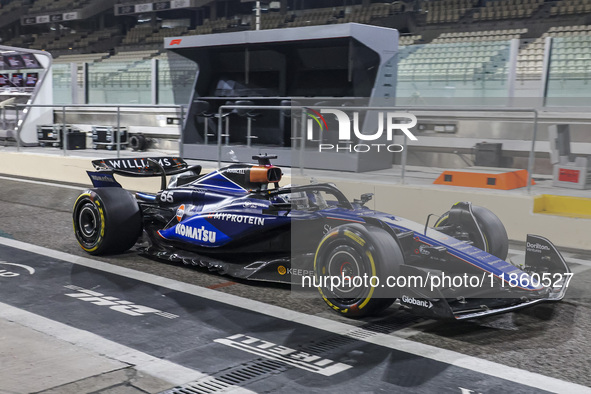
{"x": 300, "y": 136}
{"x": 408, "y": 109}
{"x": 117, "y": 111}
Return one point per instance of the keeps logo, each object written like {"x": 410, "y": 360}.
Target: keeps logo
{"x": 293, "y": 357}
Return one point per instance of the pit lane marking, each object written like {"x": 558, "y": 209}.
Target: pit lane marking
{"x": 166, "y": 370}
{"x": 478, "y": 365}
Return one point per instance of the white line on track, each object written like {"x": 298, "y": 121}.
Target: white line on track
{"x": 43, "y": 183}
{"x": 446, "y": 356}
{"x": 165, "y": 370}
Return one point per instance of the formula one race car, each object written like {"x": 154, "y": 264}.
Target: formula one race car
{"x": 238, "y": 221}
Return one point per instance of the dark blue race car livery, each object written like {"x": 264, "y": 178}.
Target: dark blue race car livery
{"x": 238, "y": 221}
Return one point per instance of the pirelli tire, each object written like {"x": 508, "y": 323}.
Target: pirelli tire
{"x": 354, "y": 250}
{"x": 495, "y": 234}
{"x": 106, "y": 220}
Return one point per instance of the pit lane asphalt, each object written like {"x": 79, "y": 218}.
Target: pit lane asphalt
{"x": 551, "y": 339}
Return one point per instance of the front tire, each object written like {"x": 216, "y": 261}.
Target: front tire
{"x": 495, "y": 234}
{"x": 354, "y": 251}
{"x": 106, "y": 221}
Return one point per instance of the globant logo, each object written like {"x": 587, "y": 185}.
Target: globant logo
{"x": 414, "y": 301}
{"x": 388, "y": 123}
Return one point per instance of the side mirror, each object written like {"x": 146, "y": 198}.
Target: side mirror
{"x": 365, "y": 197}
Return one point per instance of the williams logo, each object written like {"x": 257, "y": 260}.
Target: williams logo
{"x": 139, "y": 163}
{"x": 293, "y": 357}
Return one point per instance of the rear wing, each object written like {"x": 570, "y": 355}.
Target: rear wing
{"x": 141, "y": 167}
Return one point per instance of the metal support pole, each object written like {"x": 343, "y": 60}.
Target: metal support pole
{"x": 74, "y": 82}
{"x": 220, "y": 120}
{"x": 302, "y": 140}
{"x": 532, "y": 152}
{"x": 512, "y": 71}
{"x": 18, "y": 131}
{"x": 181, "y": 136}
{"x": 86, "y": 81}
{"x": 118, "y": 135}
{"x": 64, "y": 138}
{"x": 154, "y": 66}
{"x": 548, "y": 43}
{"x": 227, "y": 132}
{"x": 403, "y": 161}
{"x": 248, "y": 131}
{"x": 205, "y": 135}
{"x": 293, "y": 127}
{"x": 258, "y": 15}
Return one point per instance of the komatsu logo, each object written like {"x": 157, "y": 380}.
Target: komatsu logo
{"x": 414, "y": 301}
{"x": 198, "y": 234}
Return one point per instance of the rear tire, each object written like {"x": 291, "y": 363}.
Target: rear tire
{"x": 351, "y": 251}
{"x": 106, "y": 221}
{"x": 495, "y": 234}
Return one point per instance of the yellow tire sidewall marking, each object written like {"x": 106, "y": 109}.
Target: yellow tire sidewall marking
{"x": 102, "y": 217}
{"x": 361, "y": 242}
{"x": 373, "y": 273}
{"x": 442, "y": 219}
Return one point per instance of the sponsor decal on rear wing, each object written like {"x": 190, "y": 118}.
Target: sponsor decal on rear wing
{"x": 102, "y": 179}
{"x": 142, "y": 166}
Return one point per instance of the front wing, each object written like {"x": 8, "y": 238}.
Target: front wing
{"x": 543, "y": 264}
